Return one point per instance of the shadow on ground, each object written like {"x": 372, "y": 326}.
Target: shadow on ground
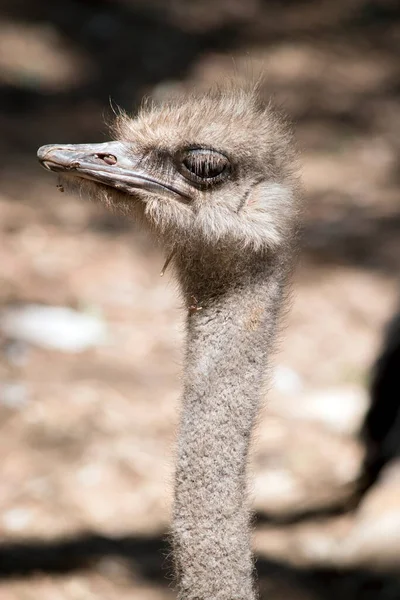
{"x": 146, "y": 557}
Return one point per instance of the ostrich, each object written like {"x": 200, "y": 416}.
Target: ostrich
{"x": 212, "y": 176}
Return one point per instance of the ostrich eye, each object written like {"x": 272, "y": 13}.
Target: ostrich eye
{"x": 204, "y": 165}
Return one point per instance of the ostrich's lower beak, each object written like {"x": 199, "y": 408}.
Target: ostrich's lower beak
{"x": 108, "y": 163}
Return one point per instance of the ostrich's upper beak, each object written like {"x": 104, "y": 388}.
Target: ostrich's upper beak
{"x": 109, "y": 163}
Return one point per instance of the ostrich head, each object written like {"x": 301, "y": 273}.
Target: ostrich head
{"x": 201, "y": 169}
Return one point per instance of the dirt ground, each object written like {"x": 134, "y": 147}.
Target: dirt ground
{"x": 87, "y": 438}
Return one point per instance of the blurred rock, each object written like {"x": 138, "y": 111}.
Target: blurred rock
{"x": 375, "y": 538}
{"x": 310, "y": 543}
{"x": 16, "y": 352}
{"x": 302, "y": 468}
{"x": 53, "y": 327}
{"x": 367, "y": 538}
{"x": 341, "y": 409}
{"x": 13, "y": 395}
{"x": 16, "y": 519}
{"x": 287, "y": 381}
{"x": 36, "y": 56}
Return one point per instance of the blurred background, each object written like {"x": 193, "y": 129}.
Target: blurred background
{"x": 91, "y": 337}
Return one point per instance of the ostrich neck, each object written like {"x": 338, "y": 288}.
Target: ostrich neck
{"x": 228, "y": 341}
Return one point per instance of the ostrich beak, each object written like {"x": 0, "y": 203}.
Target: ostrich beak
{"x": 109, "y": 163}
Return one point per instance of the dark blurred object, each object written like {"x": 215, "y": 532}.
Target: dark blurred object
{"x": 382, "y": 425}
{"x": 203, "y": 15}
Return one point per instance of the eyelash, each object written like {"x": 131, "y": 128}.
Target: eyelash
{"x": 204, "y": 165}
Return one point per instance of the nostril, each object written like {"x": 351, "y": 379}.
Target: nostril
{"x": 109, "y": 159}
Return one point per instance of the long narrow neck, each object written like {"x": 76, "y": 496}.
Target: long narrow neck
{"x": 229, "y": 336}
